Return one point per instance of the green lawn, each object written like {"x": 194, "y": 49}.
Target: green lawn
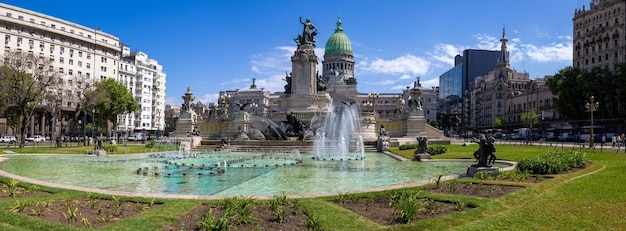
{"x": 75, "y": 148}
{"x": 590, "y": 199}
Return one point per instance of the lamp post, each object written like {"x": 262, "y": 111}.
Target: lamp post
{"x": 373, "y": 96}
{"x": 93, "y": 121}
{"x": 400, "y": 105}
{"x": 368, "y": 105}
{"x": 591, "y": 107}
{"x": 84, "y": 128}
{"x": 225, "y": 98}
{"x": 253, "y": 108}
{"x": 216, "y": 108}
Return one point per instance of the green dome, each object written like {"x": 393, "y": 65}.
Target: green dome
{"x": 338, "y": 43}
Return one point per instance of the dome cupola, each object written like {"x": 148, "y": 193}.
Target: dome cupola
{"x": 338, "y": 43}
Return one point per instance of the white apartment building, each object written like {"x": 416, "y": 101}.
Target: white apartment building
{"x": 78, "y": 52}
{"x": 145, "y": 78}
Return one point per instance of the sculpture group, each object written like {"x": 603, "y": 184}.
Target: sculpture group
{"x": 486, "y": 153}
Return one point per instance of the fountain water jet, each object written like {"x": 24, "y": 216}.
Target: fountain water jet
{"x": 337, "y": 137}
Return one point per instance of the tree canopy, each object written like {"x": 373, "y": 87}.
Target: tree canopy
{"x": 108, "y": 100}
{"x": 573, "y": 88}
{"x": 24, "y": 80}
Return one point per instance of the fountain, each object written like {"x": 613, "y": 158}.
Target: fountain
{"x": 336, "y": 139}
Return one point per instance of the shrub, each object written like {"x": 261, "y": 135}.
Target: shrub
{"x": 151, "y": 144}
{"x": 407, "y": 146}
{"x": 436, "y": 149}
{"x": 109, "y": 148}
{"x": 553, "y": 162}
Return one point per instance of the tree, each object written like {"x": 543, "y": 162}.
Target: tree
{"x": 499, "y": 123}
{"x": 434, "y": 123}
{"x": 573, "y": 87}
{"x": 24, "y": 79}
{"x": 108, "y": 100}
{"x": 71, "y": 90}
{"x": 529, "y": 117}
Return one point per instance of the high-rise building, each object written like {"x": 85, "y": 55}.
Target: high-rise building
{"x": 454, "y": 84}
{"x": 145, "y": 78}
{"x": 599, "y": 35}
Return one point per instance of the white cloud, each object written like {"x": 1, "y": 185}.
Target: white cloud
{"x": 406, "y": 77}
{"x": 172, "y": 101}
{"x": 272, "y": 83}
{"x": 401, "y": 65}
{"x": 445, "y": 53}
{"x": 487, "y": 42}
{"x": 399, "y": 87}
{"x": 385, "y": 82}
{"x": 209, "y": 98}
{"x": 430, "y": 83}
{"x": 556, "y": 52}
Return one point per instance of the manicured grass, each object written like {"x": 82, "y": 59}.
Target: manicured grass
{"x": 121, "y": 149}
{"x": 588, "y": 199}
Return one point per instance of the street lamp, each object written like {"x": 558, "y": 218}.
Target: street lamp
{"x": 373, "y": 96}
{"x": 368, "y": 105}
{"x": 216, "y": 108}
{"x": 93, "y": 121}
{"x": 253, "y": 108}
{"x": 591, "y": 107}
{"x": 225, "y": 98}
{"x": 400, "y": 105}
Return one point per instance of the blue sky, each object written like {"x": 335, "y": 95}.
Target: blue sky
{"x": 222, "y": 45}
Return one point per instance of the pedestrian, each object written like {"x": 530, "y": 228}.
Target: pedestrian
{"x": 603, "y": 139}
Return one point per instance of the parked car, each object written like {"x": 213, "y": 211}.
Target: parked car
{"x": 8, "y": 139}
{"x": 137, "y": 137}
{"x": 36, "y": 138}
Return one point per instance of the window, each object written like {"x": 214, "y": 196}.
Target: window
{"x": 88, "y": 56}
{"x": 80, "y": 64}
{"x": 7, "y": 39}
{"x": 62, "y": 50}
{"x": 80, "y": 73}
{"x": 71, "y": 53}
{"x": 19, "y": 42}
{"x": 61, "y": 60}
{"x": 103, "y": 68}
{"x": 71, "y": 62}
{"x": 51, "y": 49}
{"x": 61, "y": 70}
{"x": 88, "y": 65}
{"x": 80, "y": 54}
{"x": 70, "y": 72}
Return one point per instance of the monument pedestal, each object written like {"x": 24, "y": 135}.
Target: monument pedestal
{"x": 421, "y": 156}
{"x": 303, "y": 103}
{"x": 494, "y": 171}
{"x": 183, "y": 127}
{"x": 416, "y": 126}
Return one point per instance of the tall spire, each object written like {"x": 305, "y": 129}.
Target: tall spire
{"x": 503, "y": 59}
{"x": 339, "y": 28}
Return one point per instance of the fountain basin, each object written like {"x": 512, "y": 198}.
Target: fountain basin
{"x": 251, "y": 177}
